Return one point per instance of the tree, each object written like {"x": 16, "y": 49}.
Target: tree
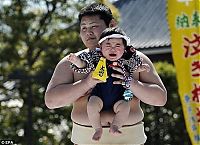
{"x": 114, "y": 10}
{"x": 165, "y": 125}
{"x": 34, "y": 36}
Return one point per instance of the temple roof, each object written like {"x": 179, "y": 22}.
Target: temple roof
{"x": 144, "y": 21}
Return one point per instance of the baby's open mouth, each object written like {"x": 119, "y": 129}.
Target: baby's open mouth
{"x": 112, "y": 55}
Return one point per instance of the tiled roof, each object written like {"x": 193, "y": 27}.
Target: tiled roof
{"x": 144, "y": 21}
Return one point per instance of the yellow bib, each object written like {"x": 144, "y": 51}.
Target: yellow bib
{"x": 100, "y": 72}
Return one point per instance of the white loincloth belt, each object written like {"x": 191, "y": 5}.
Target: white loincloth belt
{"x": 131, "y": 135}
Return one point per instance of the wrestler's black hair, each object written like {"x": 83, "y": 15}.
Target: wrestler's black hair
{"x": 113, "y": 30}
{"x": 97, "y": 9}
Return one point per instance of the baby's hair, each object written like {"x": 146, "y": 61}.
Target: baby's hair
{"x": 113, "y": 30}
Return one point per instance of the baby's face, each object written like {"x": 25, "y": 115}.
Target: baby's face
{"x": 112, "y": 48}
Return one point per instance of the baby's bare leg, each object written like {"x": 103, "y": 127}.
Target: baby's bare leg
{"x": 94, "y": 107}
{"x": 122, "y": 109}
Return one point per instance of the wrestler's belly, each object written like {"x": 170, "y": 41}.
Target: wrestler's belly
{"x": 79, "y": 113}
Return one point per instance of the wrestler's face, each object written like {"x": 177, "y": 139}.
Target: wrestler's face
{"x": 112, "y": 49}
{"x": 91, "y": 28}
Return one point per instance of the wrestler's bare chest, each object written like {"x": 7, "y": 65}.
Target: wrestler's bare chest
{"x": 79, "y": 112}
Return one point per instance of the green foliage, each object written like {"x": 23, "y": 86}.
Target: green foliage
{"x": 34, "y": 36}
{"x": 164, "y": 125}
{"x": 115, "y": 11}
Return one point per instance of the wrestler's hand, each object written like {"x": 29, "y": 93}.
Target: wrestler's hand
{"x": 119, "y": 75}
{"x": 91, "y": 82}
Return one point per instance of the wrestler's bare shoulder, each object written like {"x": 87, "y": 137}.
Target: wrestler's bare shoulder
{"x": 63, "y": 68}
{"x": 63, "y": 74}
{"x": 144, "y": 57}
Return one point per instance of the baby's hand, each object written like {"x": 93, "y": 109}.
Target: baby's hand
{"x": 76, "y": 60}
{"x": 72, "y": 58}
{"x": 143, "y": 67}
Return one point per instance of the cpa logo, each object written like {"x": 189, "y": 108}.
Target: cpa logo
{"x": 7, "y": 142}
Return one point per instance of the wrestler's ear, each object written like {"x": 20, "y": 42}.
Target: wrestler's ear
{"x": 113, "y": 23}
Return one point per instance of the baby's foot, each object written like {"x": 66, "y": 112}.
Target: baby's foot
{"x": 97, "y": 135}
{"x": 115, "y": 130}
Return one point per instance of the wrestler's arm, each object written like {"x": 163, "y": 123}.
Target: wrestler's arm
{"x": 62, "y": 90}
{"x": 149, "y": 88}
